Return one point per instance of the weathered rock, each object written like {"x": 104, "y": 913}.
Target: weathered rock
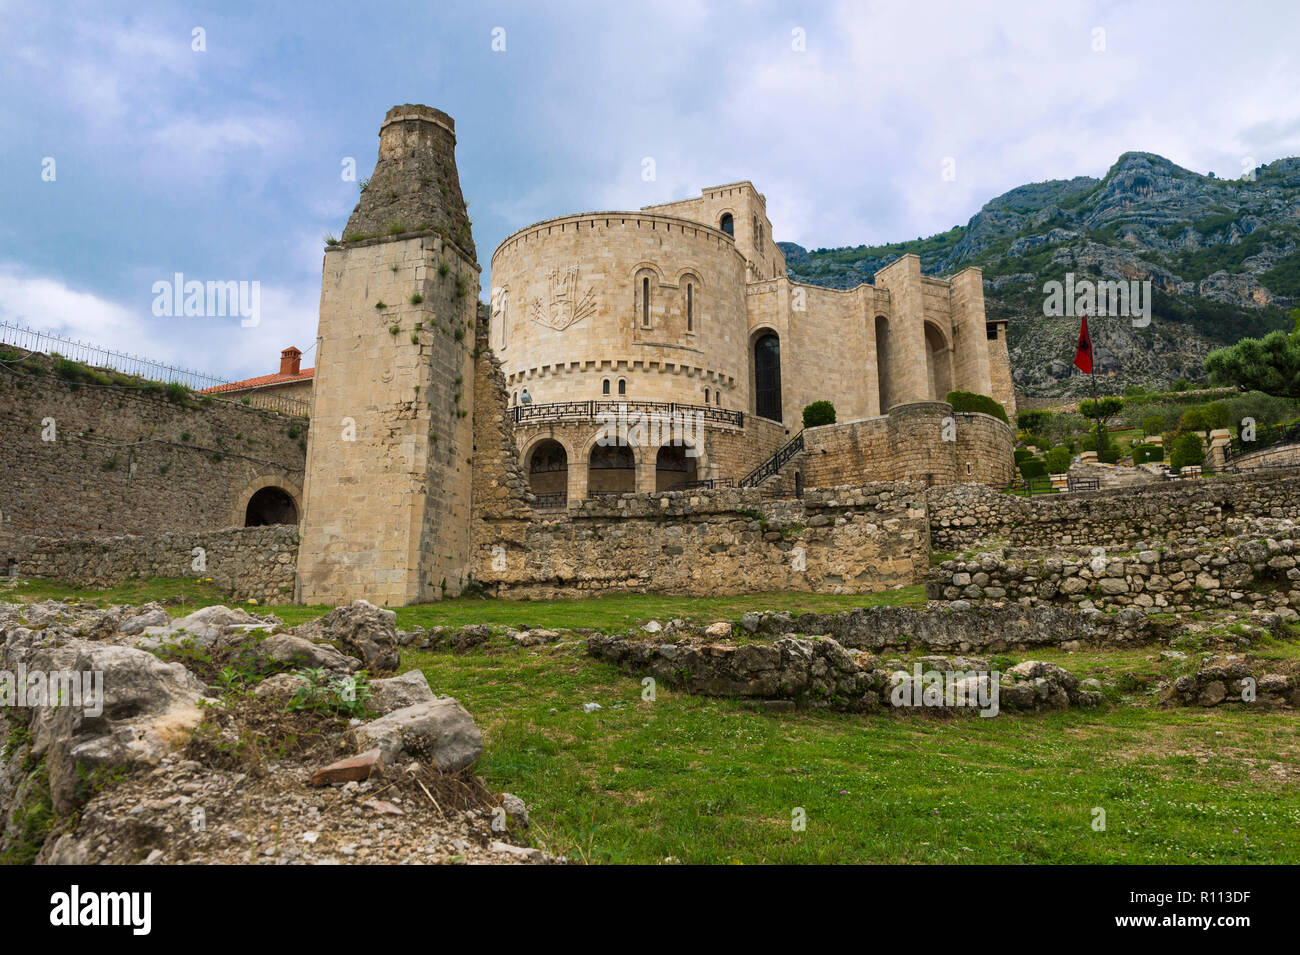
{"x": 361, "y": 630}
{"x": 440, "y": 732}
{"x": 398, "y": 692}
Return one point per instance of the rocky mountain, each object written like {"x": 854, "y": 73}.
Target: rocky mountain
{"x": 1222, "y": 257}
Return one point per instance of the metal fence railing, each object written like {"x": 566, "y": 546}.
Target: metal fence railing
{"x": 30, "y": 340}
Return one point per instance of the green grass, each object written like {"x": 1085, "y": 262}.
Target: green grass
{"x": 706, "y": 780}
{"x": 611, "y": 612}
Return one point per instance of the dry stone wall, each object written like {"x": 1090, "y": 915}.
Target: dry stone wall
{"x": 246, "y": 562}
{"x": 1242, "y": 574}
{"x": 725, "y": 541}
{"x": 963, "y": 515}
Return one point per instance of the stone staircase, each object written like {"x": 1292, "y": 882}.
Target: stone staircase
{"x": 775, "y": 477}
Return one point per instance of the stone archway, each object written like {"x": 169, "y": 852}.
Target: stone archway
{"x": 938, "y": 362}
{"x": 547, "y": 465}
{"x": 281, "y": 504}
{"x": 270, "y": 505}
{"x": 674, "y": 467}
{"x": 884, "y": 365}
{"x": 611, "y": 469}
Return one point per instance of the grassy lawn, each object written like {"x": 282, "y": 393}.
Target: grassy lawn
{"x": 610, "y": 612}
{"x": 706, "y": 780}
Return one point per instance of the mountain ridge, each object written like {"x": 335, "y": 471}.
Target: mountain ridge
{"x": 1222, "y": 256}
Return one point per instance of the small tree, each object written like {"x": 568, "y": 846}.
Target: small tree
{"x": 1187, "y": 450}
{"x": 818, "y": 413}
{"x": 1152, "y": 424}
{"x": 1103, "y": 408}
{"x": 1193, "y": 419}
{"x": 1218, "y": 414}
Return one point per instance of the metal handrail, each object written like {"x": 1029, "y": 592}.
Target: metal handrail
{"x": 773, "y": 464}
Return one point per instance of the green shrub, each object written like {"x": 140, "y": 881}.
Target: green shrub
{"x": 1033, "y": 468}
{"x": 1217, "y": 414}
{"x": 1187, "y": 450}
{"x": 818, "y": 413}
{"x": 969, "y": 401}
{"x": 1021, "y": 455}
{"x": 1152, "y": 424}
{"x": 1032, "y": 421}
{"x": 1058, "y": 460}
{"x": 1142, "y": 453}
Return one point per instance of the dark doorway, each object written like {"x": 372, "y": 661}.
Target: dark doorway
{"x": 767, "y": 377}
{"x": 270, "y": 505}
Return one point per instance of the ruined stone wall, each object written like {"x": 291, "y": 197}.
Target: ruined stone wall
{"x": 1244, "y": 574}
{"x": 1004, "y": 388}
{"x": 964, "y": 515}
{"x": 122, "y": 460}
{"x": 843, "y": 540}
{"x": 246, "y": 562}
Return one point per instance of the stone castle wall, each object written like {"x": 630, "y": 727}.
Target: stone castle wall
{"x": 122, "y": 460}
{"x": 562, "y": 342}
{"x": 1243, "y": 574}
{"x": 247, "y": 562}
{"x": 909, "y": 445}
{"x": 844, "y": 540}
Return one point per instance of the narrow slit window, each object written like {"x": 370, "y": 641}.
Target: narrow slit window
{"x": 690, "y": 307}
{"x": 645, "y": 303}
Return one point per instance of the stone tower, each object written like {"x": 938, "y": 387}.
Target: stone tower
{"x": 386, "y": 501}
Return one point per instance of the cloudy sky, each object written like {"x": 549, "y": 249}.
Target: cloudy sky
{"x": 224, "y": 163}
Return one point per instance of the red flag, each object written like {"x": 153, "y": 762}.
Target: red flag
{"x": 1083, "y": 354}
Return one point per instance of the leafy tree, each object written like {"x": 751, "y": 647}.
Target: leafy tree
{"x": 1153, "y": 424}
{"x": 1270, "y": 364}
{"x": 1218, "y": 414}
{"x": 1103, "y": 408}
{"x": 1193, "y": 419}
{"x": 818, "y": 413}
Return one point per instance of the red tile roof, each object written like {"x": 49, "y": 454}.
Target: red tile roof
{"x": 261, "y": 381}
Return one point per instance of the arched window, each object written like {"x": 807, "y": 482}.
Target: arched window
{"x": 728, "y": 224}
{"x": 706, "y": 396}
{"x": 548, "y": 473}
{"x": 690, "y": 306}
{"x": 767, "y": 376}
{"x": 645, "y": 302}
{"x": 622, "y": 386}
{"x": 717, "y": 397}
{"x": 604, "y": 387}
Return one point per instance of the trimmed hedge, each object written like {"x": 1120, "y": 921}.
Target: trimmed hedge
{"x": 969, "y": 401}
{"x": 1142, "y": 453}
